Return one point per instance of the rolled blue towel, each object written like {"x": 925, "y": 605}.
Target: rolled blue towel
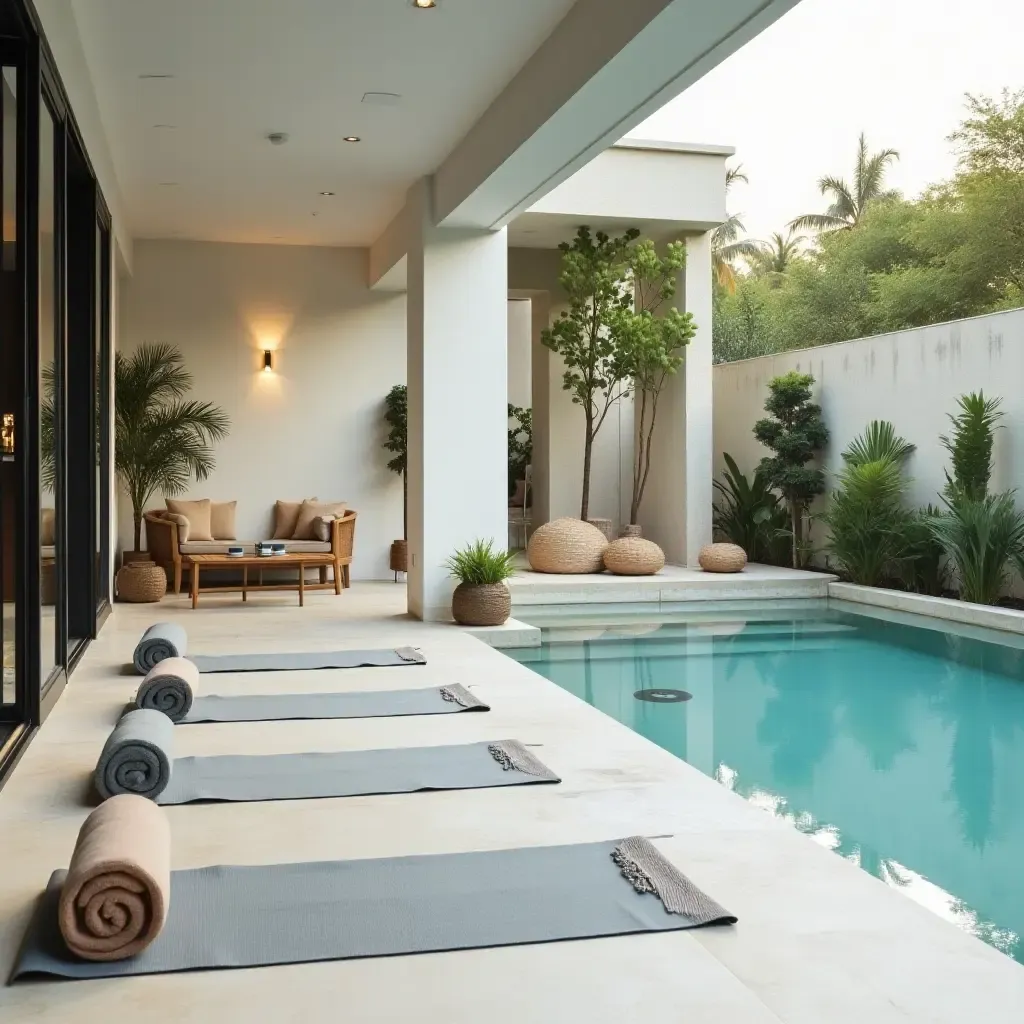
{"x": 169, "y": 687}
{"x": 162, "y": 640}
{"x": 137, "y": 756}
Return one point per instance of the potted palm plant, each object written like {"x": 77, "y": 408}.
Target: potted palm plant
{"x": 396, "y": 417}
{"x": 161, "y": 439}
{"x": 481, "y": 598}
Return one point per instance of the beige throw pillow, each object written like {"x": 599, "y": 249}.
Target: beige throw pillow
{"x": 322, "y": 527}
{"x": 198, "y": 515}
{"x": 47, "y": 527}
{"x": 311, "y": 510}
{"x": 222, "y": 520}
{"x": 286, "y": 515}
{"x": 182, "y": 524}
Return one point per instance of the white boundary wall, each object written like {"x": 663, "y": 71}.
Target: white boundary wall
{"x": 912, "y": 378}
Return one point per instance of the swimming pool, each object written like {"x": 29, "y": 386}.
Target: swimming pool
{"x": 898, "y": 747}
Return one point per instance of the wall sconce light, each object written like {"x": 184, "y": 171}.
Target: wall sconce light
{"x": 268, "y": 360}
{"x": 7, "y": 433}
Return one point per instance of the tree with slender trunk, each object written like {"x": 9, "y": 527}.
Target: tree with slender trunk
{"x": 396, "y": 416}
{"x": 161, "y": 439}
{"x": 849, "y": 201}
{"x": 594, "y": 276}
{"x": 653, "y": 339}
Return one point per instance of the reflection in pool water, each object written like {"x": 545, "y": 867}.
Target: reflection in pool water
{"x": 899, "y": 748}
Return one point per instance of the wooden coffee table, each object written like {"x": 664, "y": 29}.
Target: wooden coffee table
{"x": 299, "y": 562}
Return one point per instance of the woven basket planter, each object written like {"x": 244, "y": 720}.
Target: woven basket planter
{"x": 567, "y": 546}
{"x": 399, "y": 556}
{"x": 141, "y": 582}
{"x": 633, "y": 556}
{"x": 722, "y": 558}
{"x": 481, "y": 604}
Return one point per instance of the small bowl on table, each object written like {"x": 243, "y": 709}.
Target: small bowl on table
{"x": 264, "y": 549}
{"x": 278, "y": 549}
{"x": 236, "y": 551}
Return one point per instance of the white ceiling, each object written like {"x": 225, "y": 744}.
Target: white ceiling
{"x": 243, "y": 68}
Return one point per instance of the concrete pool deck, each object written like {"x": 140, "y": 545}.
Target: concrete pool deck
{"x": 817, "y": 940}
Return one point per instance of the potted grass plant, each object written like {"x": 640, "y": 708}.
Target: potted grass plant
{"x": 481, "y": 597}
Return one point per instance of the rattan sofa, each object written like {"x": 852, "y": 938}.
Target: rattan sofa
{"x": 167, "y": 551}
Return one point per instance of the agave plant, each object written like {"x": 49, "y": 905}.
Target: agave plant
{"x": 982, "y": 537}
{"x": 751, "y": 515}
{"x": 970, "y": 444}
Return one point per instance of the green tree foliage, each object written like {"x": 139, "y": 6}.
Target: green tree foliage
{"x": 795, "y": 432}
{"x": 161, "y": 439}
{"x": 520, "y": 444}
{"x": 958, "y": 251}
{"x": 594, "y": 271}
{"x": 396, "y": 416}
{"x": 652, "y": 340}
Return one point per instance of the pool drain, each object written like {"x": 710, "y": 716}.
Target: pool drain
{"x": 663, "y": 696}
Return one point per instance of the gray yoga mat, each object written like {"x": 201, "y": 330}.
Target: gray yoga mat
{"x": 433, "y": 700}
{"x": 161, "y": 641}
{"x": 169, "y": 640}
{"x": 296, "y": 913}
{"x": 138, "y": 757}
{"x": 305, "y": 660}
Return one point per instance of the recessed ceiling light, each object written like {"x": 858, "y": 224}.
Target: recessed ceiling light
{"x": 165, "y": 126}
{"x": 327, "y": 193}
{"x": 167, "y": 184}
{"x": 151, "y": 77}
{"x": 352, "y": 138}
{"x": 424, "y": 5}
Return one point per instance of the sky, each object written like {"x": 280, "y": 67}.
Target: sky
{"x": 794, "y": 100}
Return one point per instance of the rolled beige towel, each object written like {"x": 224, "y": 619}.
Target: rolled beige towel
{"x": 115, "y": 897}
{"x": 169, "y": 687}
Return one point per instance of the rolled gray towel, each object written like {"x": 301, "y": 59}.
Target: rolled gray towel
{"x": 137, "y": 756}
{"x": 169, "y": 687}
{"x": 162, "y": 640}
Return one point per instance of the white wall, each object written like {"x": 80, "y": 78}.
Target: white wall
{"x": 520, "y": 384}
{"x": 314, "y": 425}
{"x": 912, "y": 378}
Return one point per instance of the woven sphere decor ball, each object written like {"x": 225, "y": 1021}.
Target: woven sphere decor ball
{"x": 633, "y": 556}
{"x": 722, "y": 558}
{"x": 567, "y": 546}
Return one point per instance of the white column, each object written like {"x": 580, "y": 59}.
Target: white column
{"x": 700, "y": 447}
{"x": 457, "y": 379}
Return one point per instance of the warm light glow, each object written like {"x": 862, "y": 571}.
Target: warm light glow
{"x": 352, "y": 138}
{"x": 268, "y": 361}
{"x": 424, "y": 5}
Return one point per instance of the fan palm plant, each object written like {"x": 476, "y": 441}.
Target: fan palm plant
{"x": 726, "y": 244}
{"x": 849, "y": 201}
{"x": 879, "y": 441}
{"x": 161, "y": 439}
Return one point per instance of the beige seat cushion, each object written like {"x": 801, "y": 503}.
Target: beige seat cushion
{"x": 307, "y": 547}
{"x": 198, "y": 515}
{"x": 311, "y": 510}
{"x": 286, "y": 515}
{"x": 47, "y": 527}
{"x": 222, "y": 519}
{"x": 215, "y": 547}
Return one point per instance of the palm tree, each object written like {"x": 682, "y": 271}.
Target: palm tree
{"x": 850, "y": 202}
{"x": 161, "y": 440}
{"x": 726, "y": 244}
{"x": 775, "y": 256}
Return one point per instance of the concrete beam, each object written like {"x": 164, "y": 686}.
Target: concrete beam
{"x": 604, "y": 69}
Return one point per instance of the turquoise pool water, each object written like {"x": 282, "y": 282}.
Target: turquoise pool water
{"x": 900, "y": 748}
